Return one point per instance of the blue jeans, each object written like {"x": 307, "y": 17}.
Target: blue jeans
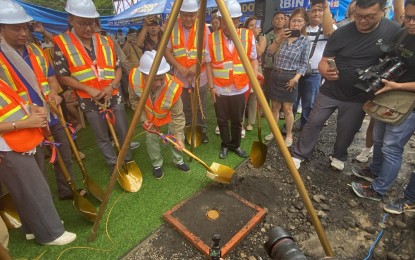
{"x": 389, "y": 142}
{"x": 308, "y": 88}
{"x": 410, "y": 189}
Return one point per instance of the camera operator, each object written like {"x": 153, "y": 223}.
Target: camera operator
{"x": 389, "y": 140}
{"x": 352, "y": 46}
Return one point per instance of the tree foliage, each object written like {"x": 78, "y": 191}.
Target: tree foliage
{"x": 104, "y": 7}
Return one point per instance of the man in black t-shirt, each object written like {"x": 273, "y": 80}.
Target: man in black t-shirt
{"x": 389, "y": 140}
{"x": 354, "y": 46}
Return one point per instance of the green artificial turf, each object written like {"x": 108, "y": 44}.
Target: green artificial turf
{"x": 130, "y": 217}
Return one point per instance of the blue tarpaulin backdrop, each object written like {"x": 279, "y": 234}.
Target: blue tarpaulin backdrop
{"x": 56, "y": 21}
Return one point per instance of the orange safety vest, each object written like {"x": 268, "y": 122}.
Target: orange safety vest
{"x": 96, "y": 75}
{"x": 158, "y": 113}
{"x": 12, "y": 108}
{"x": 185, "y": 55}
{"x": 40, "y": 65}
{"x": 227, "y": 67}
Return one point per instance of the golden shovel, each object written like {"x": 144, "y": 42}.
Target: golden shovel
{"x": 8, "y": 212}
{"x": 216, "y": 172}
{"x": 129, "y": 175}
{"x": 259, "y": 150}
{"x": 81, "y": 204}
{"x": 90, "y": 184}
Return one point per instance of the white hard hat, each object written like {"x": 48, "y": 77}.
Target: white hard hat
{"x": 13, "y": 13}
{"x": 189, "y": 6}
{"x": 82, "y": 8}
{"x": 147, "y": 60}
{"x": 234, "y": 9}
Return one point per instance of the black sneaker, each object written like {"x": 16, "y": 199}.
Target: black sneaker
{"x": 366, "y": 191}
{"x": 399, "y": 206}
{"x": 364, "y": 173}
{"x": 157, "y": 173}
{"x": 183, "y": 167}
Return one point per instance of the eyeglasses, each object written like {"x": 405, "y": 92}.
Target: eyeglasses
{"x": 84, "y": 25}
{"x": 366, "y": 17}
{"x": 297, "y": 20}
{"x": 407, "y": 18}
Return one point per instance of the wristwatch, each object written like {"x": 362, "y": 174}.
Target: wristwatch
{"x": 113, "y": 86}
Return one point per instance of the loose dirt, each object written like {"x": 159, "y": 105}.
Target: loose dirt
{"x": 351, "y": 224}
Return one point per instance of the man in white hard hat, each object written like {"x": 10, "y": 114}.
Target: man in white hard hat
{"x": 228, "y": 80}
{"x": 163, "y": 106}
{"x": 181, "y": 52}
{"x": 27, "y": 83}
{"x": 86, "y": 61}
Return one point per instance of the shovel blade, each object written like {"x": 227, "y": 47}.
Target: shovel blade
{"x": 94, "y": 189}
{"x": 198, "y": 135}
{"x": 131, "y": 180}
{"x": 8, "y": 212}
{"x": 84, "y": 207}
{"x": 221, "y": 173}
{"x": 258, "y": 154}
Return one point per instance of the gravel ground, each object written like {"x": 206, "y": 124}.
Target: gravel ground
{"x": 351, "y": 224}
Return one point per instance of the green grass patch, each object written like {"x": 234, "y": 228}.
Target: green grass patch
{"x": 130, "y": 217}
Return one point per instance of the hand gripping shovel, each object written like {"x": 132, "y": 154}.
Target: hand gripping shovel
{"x": 259, "y": 150}
{"x": 90, "y": 184}
{"x": 81, "y": 204}
{"x": 129, "y": 175}
{"x": 217, "y": 172}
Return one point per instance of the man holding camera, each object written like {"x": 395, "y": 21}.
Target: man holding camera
{"x": 389, "y": 140}
{"x": 354, "y": 46}
{"x": 319, "y": 30}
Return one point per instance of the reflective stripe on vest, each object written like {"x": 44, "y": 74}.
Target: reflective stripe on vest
{"x": 75, "y": 56}
{"x": 22, "y": 140}
{"x": 159, "y": 112}
{"x": 179, "y": 48}
{"x": 41, "y": 67}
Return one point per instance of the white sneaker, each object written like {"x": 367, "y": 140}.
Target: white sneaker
{"x": 337, "y": 164}
{"x": 364, "y": 155}
{"x": 269, "y": 137}
{"x": 30, "y": 236}
{"x": 297, "y": 162}
{"x": 66, "y": 238}
{"x": 217, "y": 131}
{"x": 243, "y": 133}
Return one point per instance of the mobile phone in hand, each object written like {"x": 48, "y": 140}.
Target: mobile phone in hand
{"x": 294, "y": 33}
{"x": 258, "y": 24}
{"x": 332, "y": 64}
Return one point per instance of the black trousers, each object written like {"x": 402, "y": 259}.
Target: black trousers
{"x": 230, "y": 109}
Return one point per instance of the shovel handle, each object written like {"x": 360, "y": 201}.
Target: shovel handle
{"x": 258, "y": 112}
{"x": 58, "y": 111}
{"x": 190, "y": 154}
{"x": 62, "y": 165}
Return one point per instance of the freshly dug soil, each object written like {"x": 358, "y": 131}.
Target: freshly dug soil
{"x": 351, "y": 224}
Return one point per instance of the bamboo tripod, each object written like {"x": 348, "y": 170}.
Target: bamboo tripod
{"x": 260, "y": 96}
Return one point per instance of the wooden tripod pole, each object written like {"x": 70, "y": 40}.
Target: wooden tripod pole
{"x": 274, "y": 128}
{"x": 137, "y": 115}
{"x": 200, "y": 35}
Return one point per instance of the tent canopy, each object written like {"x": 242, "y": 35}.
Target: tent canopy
{"x": 136, "y": 13}
{"x": 56, "y": 22}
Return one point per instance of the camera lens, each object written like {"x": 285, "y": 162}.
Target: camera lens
{"x": 281, "y": 246}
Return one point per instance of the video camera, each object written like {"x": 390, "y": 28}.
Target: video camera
{"x": 389, "y": 68}
{"x": 281, "y": 246}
